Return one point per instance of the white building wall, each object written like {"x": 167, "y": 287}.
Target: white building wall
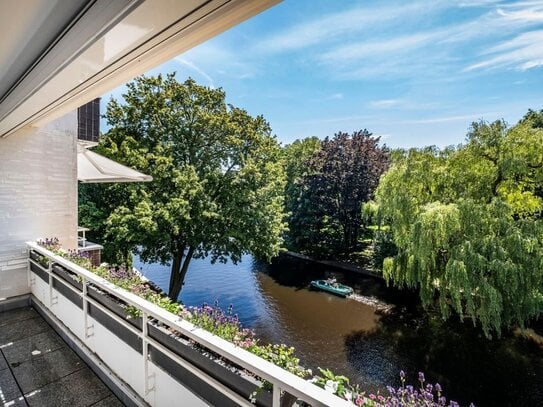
{"x": 38, "y": 195}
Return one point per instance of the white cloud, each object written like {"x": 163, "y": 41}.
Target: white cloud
{"x": 384, "y": 103}
{"x": 336, "y": 96}
{"x": 400, "y": 51}
{"x": 454, "y": 118}
{"x": 196, "y": 69}
{"x": 479, "y": 3}
{"x": 397, "y": 40}
{"x": 331, "y": 120}
{"x": 219, "y": 59}
{"x": 353, "y": 21}
{"x": 373, "y": 49}
{"x": 534, "y": 14}
{"x": 523, "y": 52}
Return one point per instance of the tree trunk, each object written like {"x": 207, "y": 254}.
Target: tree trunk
{"x": 180, "y": 265}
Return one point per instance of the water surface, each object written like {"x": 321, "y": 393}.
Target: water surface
{"x": 361, "y": 341}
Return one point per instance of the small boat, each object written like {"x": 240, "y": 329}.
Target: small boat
{"x": 331, "y": 287}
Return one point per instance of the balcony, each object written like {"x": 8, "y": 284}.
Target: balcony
{"x": 154, "y": 357}
{"x": 37, "y": 368}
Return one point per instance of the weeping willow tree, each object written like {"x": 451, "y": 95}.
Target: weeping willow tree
{"x": 468, "y": 226}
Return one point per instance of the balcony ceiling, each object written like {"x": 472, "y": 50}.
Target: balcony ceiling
{"x": 56, "y": 55}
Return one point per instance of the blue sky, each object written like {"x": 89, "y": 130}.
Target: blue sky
{"x": 414, "y": 72}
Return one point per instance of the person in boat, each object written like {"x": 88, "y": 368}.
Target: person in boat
{"x": 332, "y": 281}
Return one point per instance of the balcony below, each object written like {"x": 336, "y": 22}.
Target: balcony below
{"x": 37, "y": 368}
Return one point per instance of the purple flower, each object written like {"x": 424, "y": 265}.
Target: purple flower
{"x": 421, "y": 377}
{"x": 438, "y": 387}
{"x": 428, "y": 396}
{"x": 402, "y": 374}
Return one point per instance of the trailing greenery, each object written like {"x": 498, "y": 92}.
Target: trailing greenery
{"x": 467, "y": 224}
{"x": 218, "y": 179}
{"x": 330, "y": 184}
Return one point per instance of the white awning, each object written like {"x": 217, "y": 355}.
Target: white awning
{"x": 94, "y": 168}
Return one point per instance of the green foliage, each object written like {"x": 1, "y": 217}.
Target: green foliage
{"x": 218, "y": 178}
{"x": 383, "y": 247}
{"x": 297, "y": 156}
{"x": 467, "y": 224}
{"x": 282, "y": 356}
{"x": 338, "y": 384}
{"x": 337, "y": 179}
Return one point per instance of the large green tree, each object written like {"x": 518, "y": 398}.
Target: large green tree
{"x": 467, "y": 224}
{"x": 338, "y": 178}
{"x": 297, "y": 156}
{"x": 218, "y": 177}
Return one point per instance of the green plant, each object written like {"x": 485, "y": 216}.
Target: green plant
{"x": 336, "y": 384}
{"x": 383, "y": 247}
{"x": 282, "y": 356}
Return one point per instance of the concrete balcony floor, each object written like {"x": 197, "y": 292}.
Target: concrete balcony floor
{"x": 37, "y": 368}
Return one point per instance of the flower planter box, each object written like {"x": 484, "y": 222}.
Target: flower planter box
{"x": 126, "y": 335}
{"x": 40, "y": 272}
{"x": 114, "y": 305}
{"x": 68, "y": 293}
{"x": 211, "y": 395}
{"x": 40, "y": 259}
{"x": 232, "y": 377}
{"x": 68, "y": 276}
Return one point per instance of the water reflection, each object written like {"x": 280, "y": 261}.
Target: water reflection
{"x": 357, "y": 340}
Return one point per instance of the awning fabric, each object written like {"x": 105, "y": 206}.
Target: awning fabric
{"x": 94, "y": 168}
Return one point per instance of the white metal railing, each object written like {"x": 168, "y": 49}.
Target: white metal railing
{"x": 281, "y": 379}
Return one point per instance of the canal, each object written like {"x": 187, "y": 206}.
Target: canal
{"x": 371, "y": 337}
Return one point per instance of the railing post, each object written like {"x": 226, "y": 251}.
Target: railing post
{"x": 31, "y": 278}
{"x": 89, "y": 329}
{"x": 276, "y": 395}
{"x": 149, "y": 387}
{"x": 53, "y": 300}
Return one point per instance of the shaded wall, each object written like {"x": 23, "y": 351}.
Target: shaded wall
{"x": 38, "y": 195}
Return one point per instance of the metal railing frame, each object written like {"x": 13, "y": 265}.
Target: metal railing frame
{"x": 281, "y": 379}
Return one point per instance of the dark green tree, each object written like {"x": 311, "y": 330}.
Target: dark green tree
{"x": 218, "y": 178}
{"x": 297, "y": 156}
{"x": 467, "y": 224}
{"x": 339, "y": 177}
